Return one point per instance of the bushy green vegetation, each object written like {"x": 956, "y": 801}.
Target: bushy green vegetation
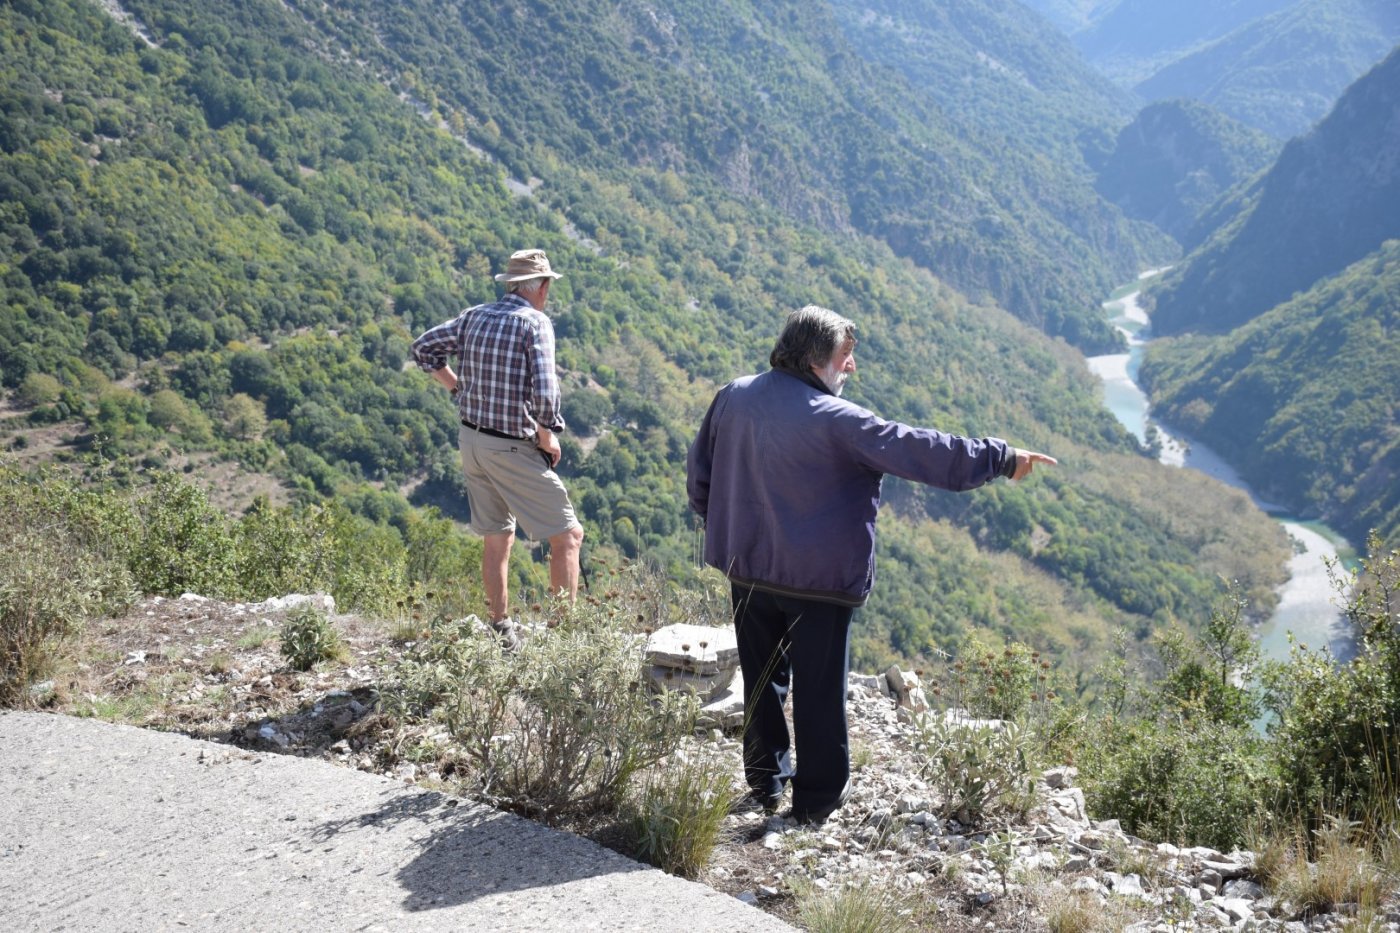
{"x": 1183, "y": 760}
{"x": 56, "y": 571}
{"x": 1338, "y": 729}
{"x": 165, "y": 539}
{"x": 1174, "y": 745}
{"x": 1302, "y": 400}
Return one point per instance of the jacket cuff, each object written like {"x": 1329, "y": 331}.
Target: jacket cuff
{"x": 1008, "y": 464}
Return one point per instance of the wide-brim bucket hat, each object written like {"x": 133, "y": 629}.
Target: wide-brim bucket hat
{"x": 528, "y": 264}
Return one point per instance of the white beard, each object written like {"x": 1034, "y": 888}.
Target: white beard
{"x": 833, "y": 378}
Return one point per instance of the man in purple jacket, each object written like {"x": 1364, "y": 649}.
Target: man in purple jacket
{"x": 786, "y": 476}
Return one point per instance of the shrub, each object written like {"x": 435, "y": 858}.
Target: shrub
{"x": 185, "y": 544}
{"x": 39, "y": 389}
{"x": 281, "y": 551}
{"x": 1201, "y": 673}
{"x": 308, "y": 639}
{"x": 1193, "y": 782}
{"x": 53, "y": 577}
{"x": 980, "y": 770}
{"x": 1337, "y": 734}
{"x": 676, "y": 816}
{"x": 555, "y": 729}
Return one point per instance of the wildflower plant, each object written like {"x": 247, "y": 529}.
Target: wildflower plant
{"x": 309, "y": 639}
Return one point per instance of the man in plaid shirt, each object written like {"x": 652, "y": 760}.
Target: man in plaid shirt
{"x": 507, "y": 398}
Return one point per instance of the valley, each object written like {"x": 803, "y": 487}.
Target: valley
{"x": 1308, "y": 604}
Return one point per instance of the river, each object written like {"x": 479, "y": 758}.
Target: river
{"x": 1308, "y": 606}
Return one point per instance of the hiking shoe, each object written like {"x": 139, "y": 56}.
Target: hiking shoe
{"x": 753, "y": 802}
{"x": 820, "y": 814}
{"x": 510, "y": 633}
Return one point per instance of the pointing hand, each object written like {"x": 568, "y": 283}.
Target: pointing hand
{"x": 1026, "y": 461}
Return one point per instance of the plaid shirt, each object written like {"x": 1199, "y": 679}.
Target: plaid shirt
{"x": 505, "y": 370}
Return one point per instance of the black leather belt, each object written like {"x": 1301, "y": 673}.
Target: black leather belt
{"x": 490, "y": 433}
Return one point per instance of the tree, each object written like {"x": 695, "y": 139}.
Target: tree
{"x": 168, "y": 410}
{"x": 244, "y": 417}
{"x": 39, "y": 389}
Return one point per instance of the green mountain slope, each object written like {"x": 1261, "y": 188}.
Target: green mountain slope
{"x": 1303, "y": 399}
{"x": 1068, "y": 15}
{"x": 1175, "y": 159}
{"x": 1010, "y": 78}
{"x": 775, "y": 103}
{"x": 1332, "y": 198}
{"x": 1282, "y": 72}
{"x": 219, "y": 245}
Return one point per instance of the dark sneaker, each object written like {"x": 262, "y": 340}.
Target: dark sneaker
{"x": 757, "y": 803}
{"x": 510, "y": 633}
{"x": 820, "y": 814}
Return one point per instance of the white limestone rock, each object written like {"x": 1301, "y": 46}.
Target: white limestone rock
{"x": 699, "y": 649}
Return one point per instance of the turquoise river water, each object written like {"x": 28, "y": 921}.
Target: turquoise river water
{"x": 1309, "y": 607}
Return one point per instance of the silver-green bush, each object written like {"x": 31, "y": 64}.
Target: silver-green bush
{"x": 554, "y": 729}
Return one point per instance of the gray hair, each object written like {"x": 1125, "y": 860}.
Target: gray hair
{"x": 811, "y": 336}
{"x": 528, "y": 287}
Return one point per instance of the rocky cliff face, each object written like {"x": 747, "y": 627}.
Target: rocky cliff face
{"x": 1331, "y": 199}
{"x": 1175, "y": 159}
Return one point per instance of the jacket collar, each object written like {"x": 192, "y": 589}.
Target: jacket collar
{"x": 808, "y": 377}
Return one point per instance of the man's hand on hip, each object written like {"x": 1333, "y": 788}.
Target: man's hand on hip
{"x": 547, "y": 442}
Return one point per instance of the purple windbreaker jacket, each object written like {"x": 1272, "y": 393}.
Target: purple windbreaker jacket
{"x": 787, "y": 479}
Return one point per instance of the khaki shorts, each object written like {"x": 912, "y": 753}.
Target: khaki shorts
{"x": 508, "y": 480}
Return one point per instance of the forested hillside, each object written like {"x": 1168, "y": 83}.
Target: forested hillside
{"x": 218, "y": 235}
{"x": 1304, "y": 398}
{"x": 776, "y": 103}
{"x": 1175, "y": 159}
{"x": 1013, "y": 84}
{"x": 1300, "y": 280}
{"x": 1282, "y": 72}
{"x": 1069, "y": 15}
{"x": 1130, "y": 39}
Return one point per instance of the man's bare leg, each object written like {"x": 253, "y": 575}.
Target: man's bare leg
{"x": 495, "y": 567}
{"x": 563, "y": 564}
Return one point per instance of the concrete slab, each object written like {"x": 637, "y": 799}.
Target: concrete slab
{"x": 107, "y": 828}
